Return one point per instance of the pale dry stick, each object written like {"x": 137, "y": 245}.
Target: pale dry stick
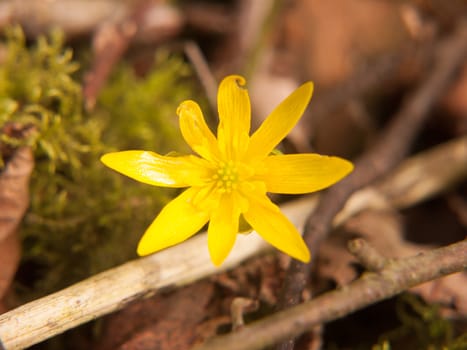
{"x": 113, "y": 289}
{"x": 418, "y": 178}
{"x": 397, "y": 276}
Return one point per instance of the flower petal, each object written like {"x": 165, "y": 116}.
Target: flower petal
{"x": 279, "y": 123}
{"x": 154, "y": 169}
{"x": 176, "y": 222}
{"x": 268, "y": 221}
{"x": 302, "y": 173}
{"x": 234, "y": 116}
{"x": 223, "y": 229}
{"x": 196, "y": 132}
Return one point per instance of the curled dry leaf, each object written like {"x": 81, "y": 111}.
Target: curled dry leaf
{"x": 14, "y": 200}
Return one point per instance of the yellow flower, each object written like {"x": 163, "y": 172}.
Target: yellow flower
{"x": 231, "y": 175}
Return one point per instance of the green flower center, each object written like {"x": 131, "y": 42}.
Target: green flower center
{"x": 226, "y": 177}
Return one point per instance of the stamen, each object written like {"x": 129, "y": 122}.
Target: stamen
{"x": 226, "y": 176}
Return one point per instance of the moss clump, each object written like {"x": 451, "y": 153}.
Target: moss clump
{"x": 83, "y": 217}
{"x": 422, "y": 327}
{"x": 37, "y": 94}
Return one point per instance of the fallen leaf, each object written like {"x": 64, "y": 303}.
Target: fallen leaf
{"x": 14, "y": 200}
{"x": 449, "y": 292}
{"x": 14, "y": 190}
{"x": 384, "y": 231}
{"x": 260, "y": 279}
{"x": 10, "y": 253}
{"x": 166, "y": 321}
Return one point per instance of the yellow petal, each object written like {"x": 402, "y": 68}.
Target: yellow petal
{"x": 154, "y": 169}
{"x": 302, "y": 173}
{"x": 196, "y": 132}
{"x": 176, "y": 222}
{"x": 279, "y": 123}
{"x": 265, "y": 217}
{"x": 234, "y": 116}
{"x": 223, "y": 228}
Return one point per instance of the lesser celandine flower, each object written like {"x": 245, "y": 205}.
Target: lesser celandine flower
{"x": 230, "y": 175}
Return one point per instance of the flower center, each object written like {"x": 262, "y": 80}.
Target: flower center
{"x": 226, "y": 177}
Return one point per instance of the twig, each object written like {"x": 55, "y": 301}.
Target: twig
{"x": 238, "y": 307}
{"x": 110, "y": 42}
{"x": 396, "y": 277}
{"x": 386, "y": 154}
{"x": 203, "y": 71}
{"x": 367, "y": 255}
{"x": 115, "y": 288}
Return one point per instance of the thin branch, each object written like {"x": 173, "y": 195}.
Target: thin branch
{"x": 146, "y": 22}
{"x": 109, "y": 44}
{"x": 207, "y": 79}
{"x": 393, "y": 145}
{"x": 396, "y": 277}
{"x": 113, "y": 289}
{"x": 367, "y": 255}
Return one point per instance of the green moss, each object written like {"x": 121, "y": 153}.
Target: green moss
{"x": 422, "y": 327}
{"x": 141, "y": 111}
{"x": 36, "y": 93}
{"x": 84, "y": 217}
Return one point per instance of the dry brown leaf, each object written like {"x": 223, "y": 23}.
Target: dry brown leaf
{"x": 384, "y": 231}
{"x": 14, "y": 200}
{"x": 259, "y": 279}
{"x": 450, "y": 292}
{"x": 14, "y": 190}
{"x": 10, "y": 252}
{"x": 335, "y": 263}
{"x": 162, "y": 322}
